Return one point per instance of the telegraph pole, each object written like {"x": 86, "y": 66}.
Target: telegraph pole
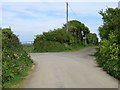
{"x": 66, "y": 17}
{"x": 119, "y": 5}
{"x": 10, "y": 27}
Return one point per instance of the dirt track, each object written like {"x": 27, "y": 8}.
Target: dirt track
{"x": 68, "y": 70}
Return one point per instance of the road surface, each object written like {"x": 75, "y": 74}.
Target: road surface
{"x": 68, "y": 70}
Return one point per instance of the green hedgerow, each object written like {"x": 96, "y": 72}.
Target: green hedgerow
{"x": 14, "y": 58}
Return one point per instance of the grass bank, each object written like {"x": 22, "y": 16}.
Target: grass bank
{"x": 30, "y": 48}
{"x": 18, "y": 80}
{"x": 79, "y": 47}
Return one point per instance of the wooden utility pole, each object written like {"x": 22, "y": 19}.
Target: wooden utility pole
{"x": 66, "y": 17}
{"x": 10, "y": 27}
{"x": 119, "y": 5}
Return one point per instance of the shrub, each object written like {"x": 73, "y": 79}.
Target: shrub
{"x": 108, "y": 57}
{"x": 50, "y": 46}
{"x": 108, "y": 54}
{"x": 14, "y": 58}
{"x": 60, "y": 40}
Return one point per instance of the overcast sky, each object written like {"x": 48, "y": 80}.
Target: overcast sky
{"x": 28, "y": 19}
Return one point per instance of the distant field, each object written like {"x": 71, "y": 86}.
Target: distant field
{"x": 28, "y": 47}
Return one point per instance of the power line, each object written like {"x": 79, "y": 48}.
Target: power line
{"x": 75, "y": 15}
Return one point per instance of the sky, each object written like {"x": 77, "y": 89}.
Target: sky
{"x": 28, "y": 19}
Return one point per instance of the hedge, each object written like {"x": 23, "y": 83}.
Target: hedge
{"x": 14, "y": 59}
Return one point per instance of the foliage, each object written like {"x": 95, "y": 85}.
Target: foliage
{"x": 108, "y": 54}
{"x": 92, "y": 38}
{"x": 76, "y": 28}
{"x": 60, "y": 40}
{"x": 16, "y": 82}
{"x": 50, "y": 46}
{"x": 58, "y": 35}
{"x": 111, "y": 20}
{"x": 14, "y": 58}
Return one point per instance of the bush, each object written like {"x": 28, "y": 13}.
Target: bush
{"x": 14, "y": 59}
{"x": 108, "y": 54}
{"x": 60, "y": 40}
{"x": 107, "y": 57}
{"x": 50, "y": 46}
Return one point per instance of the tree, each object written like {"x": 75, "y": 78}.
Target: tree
{"x": 92, "y": 39}
{"x": 111, "y": 21}
{"x": 59, "y": 37}
{"x": 75, "y": 28}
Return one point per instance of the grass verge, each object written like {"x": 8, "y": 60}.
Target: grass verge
{"x": 71, "y": 49}
{"x": 29, "y": 48}
{"x": 17, "y": 81}
{"x": 78, "y": 47}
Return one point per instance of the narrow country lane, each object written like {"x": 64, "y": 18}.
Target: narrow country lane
{"x": 68, "y": 70}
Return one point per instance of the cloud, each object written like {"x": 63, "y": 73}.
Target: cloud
{"x": 28, "y": 19}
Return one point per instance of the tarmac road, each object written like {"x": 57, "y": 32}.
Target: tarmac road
{"x": 68, "y": 70}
